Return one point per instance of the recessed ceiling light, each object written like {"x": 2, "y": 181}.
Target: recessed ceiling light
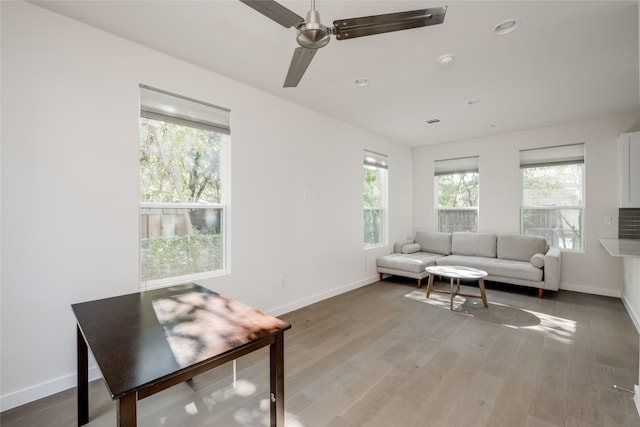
{"x": 506, "y": 27}
{"x": 446, "y": 60}
{"x": 473, "y": 102}
{"x": 361, "y": 82}
{"x": 432, "y": 121}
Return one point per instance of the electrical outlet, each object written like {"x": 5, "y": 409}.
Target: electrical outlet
{"x": 282, "y": 281}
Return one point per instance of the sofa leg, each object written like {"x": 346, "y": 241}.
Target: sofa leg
{"x": 380, "y": 276}
{"x": 419, "y": 283}
{"x": 540, "y": 292}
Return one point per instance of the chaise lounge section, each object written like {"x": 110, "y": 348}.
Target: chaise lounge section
{"x": 507, "y": 258}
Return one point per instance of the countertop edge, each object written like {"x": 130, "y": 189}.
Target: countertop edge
{"x": 622, "y": 247}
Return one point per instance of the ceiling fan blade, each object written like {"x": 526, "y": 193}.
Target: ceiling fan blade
{"x": 368, "y": 25}
{"x": 276, "y": 12}
{"x": 299, "y": 62}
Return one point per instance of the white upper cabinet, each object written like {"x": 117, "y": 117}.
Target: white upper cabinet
{"x": 629, "y": 169}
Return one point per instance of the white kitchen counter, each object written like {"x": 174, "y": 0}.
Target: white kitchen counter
{"x": 622, "y": 247}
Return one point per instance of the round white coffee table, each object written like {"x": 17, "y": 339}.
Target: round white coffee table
{"x": 457, "y": 272}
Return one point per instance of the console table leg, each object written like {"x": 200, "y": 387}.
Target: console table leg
{"x": 127, "y": 412}
{"x": 277, "y": 381}
{"x": 83, "y": 378}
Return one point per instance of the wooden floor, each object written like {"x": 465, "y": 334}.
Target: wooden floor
{"x": 383, "y": 355}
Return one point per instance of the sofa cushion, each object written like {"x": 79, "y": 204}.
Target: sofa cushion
{"x": 537, "y": 260}
{"x": 520, "y": 248}
{"x": 522, "y": 270}
{"x": 397, "y": 247}
{"x": 415, "y": 263}
{"x": 474, "y": 244}
{"x": 411, "y": 248}
{"x": 434, "y": 242}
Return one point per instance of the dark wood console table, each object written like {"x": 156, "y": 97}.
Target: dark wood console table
{"x": 149, "y": 341}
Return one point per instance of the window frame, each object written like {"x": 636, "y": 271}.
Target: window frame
{"x": 378, "y": 162}
{"x": 450, "y": 167}
{"x": 196, "y": 118}
{"x": 561, "y": 155}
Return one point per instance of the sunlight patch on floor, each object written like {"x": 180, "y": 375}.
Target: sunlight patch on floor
{"x": 556, "y": 328}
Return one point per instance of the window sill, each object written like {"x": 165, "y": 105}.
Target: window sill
{"x": 377, "y": 246}
{"x": 163, "y": 283}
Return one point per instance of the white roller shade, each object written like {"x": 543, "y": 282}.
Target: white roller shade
{"x": 160, "y": 105}
{"x": 551, "y": 156}
{"x": 459, "y": 165}
{"x": 375, "y": 160}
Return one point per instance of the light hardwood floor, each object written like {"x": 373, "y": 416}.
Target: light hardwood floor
{"x": 375, "y": 357}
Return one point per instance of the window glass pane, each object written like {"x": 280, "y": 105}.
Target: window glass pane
{"x": 458, "y": 190}
{"x": 450, "y": 220}
{"x": 562, "y": 227}
{"x": 178, "y": 242}
{"x": 552, "y": 185}
{"x": 372, "y": 187}
{"x": 178, "y": 163}
{"x": 372, "y": 226}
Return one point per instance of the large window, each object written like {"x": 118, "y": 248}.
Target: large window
{"x": 457, "y": 189}
{"x": 375, "y": 199}
{"x": 552, "y": 194}
{"x": 183, "y": 190}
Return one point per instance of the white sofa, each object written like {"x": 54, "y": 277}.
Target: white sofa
{"x": 508, "y": 258}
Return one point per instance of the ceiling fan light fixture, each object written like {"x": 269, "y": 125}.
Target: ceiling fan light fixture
{"x": 506, "y": 27}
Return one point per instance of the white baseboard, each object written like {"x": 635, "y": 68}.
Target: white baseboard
{"x": 21, "y": 397}
{"x": 591, "y": 290}
{"x": 636, "y": 397}
{"x": 295, "y": 305}
{"x": 632, "y": 314}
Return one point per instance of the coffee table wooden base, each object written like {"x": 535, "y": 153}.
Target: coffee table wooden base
{"x": 456, "y": 273}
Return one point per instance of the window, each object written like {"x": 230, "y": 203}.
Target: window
{"x": 457, "y": 188}
{"x": 183, "y": 190}
{"x": 552, "y": 194}
{"x": 375, "y": 199}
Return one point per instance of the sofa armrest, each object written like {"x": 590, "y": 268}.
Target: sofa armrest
{"x": 397, "y": 247}
{"x": 552, "y": 264}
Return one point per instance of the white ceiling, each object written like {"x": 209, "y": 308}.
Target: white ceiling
{"x": 568, "y": 61}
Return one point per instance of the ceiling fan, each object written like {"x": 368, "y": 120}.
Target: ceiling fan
{"x": 312, "y": 35}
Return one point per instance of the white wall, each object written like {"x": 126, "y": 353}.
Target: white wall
{"x": 70, "y": 190}
{"x": 592, "y": 271}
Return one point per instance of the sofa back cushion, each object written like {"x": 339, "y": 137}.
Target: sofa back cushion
{"x": 520, "y": 248}
{"x": 434, "y": 242}
{"x": 474, "y": 244}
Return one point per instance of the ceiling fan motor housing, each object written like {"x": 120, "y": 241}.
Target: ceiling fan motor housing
{"x": 312, "y": 34}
